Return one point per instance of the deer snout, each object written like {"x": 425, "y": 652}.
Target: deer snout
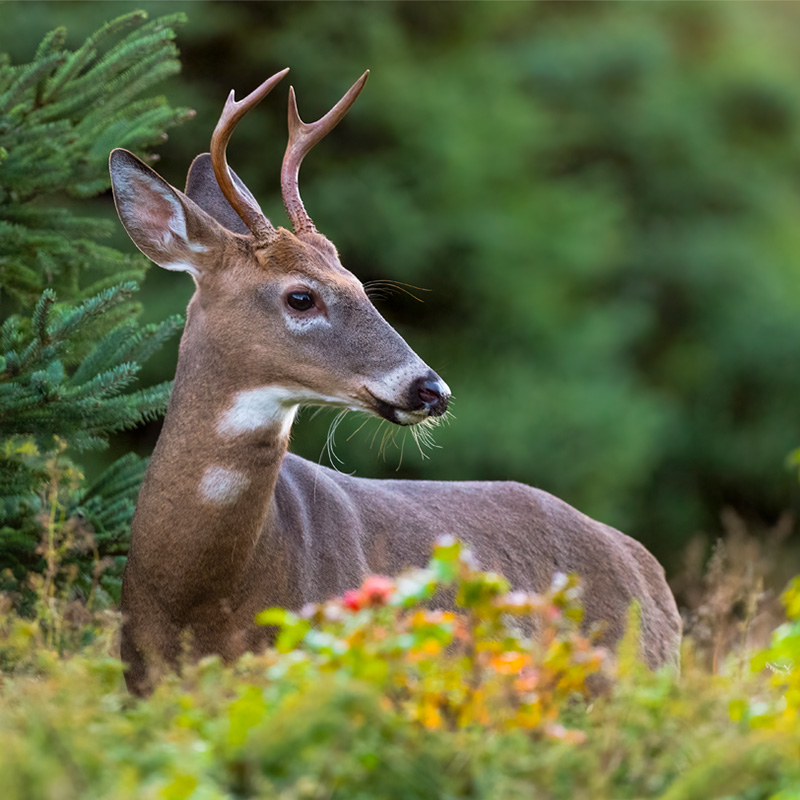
{"x": 430, "y": 393}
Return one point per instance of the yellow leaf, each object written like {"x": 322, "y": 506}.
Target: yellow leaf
{"x": 429, "y": 715}
{"x": 529, "y": 716}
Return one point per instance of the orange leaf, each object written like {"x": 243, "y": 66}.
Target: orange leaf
{"x": 509, "y": 663}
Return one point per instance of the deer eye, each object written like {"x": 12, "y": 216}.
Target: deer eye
{"x": 300, "y": 301}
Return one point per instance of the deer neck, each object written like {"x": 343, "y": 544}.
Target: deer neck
{"x": 204, "y": 506}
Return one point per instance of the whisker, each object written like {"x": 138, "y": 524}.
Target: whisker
{"x": 389, "y": 438}
{"x": 425, "y": 435}
{"x": 399, "y": 285}
{"x": 366, "y": 420}
{"x": 411, "y": 294}
{"x": 382, "y": 448}
{"x": 330, "y": 439}
{"x": 416, "y": 435}
{"x": 376, "y": 293}
{"x": 402, "y": 449}
{"x": 392, "y": 282}
{"x": 372, "y": 441}
{"x": 422, "y": 433}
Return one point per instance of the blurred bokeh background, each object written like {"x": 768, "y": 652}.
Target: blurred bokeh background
{"x": 600, "y": 204}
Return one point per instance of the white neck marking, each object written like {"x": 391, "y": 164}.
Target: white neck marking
{"x": 221, "y": 486}
{"x": 266, "y": 406}
{"x": 254, "y": 409}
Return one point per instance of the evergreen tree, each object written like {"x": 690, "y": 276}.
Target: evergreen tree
{"x": 67, "y": 368}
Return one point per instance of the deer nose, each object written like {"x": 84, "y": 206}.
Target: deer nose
{"x": 431, "y": 393}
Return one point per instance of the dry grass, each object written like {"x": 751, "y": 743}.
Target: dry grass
{"x": 729, "y": 594}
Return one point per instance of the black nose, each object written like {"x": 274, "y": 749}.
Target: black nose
{"x": 431, "y": 393}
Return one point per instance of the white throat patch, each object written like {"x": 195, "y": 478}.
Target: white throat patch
{"x": 254, "y": 409}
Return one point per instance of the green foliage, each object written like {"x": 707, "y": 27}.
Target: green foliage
{"x": 477, "y": 665}
{"x": 374, "y": 695}
{"x": 42, "y": 400}
{"x": 601, "y": 199}
{"x": 67, "y": 369}
{"x": 60, "y": 529}
{"x": 782, "y": 658}
{"x": 60, "y": 116}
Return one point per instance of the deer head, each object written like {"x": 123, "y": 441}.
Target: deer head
{"x": 280, "y": 318}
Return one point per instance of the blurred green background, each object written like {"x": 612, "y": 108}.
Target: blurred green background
{"x": 601, "y": 200}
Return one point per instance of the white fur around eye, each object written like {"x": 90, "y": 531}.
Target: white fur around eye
{"x": 302, "y": 323}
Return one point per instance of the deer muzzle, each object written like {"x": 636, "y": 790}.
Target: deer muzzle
{"x": 426, "y": 396}
{"x": 430, "y": 394}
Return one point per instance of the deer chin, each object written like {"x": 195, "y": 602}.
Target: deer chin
{"x": 397, "y": 415}
{"x": 408, "y": 418}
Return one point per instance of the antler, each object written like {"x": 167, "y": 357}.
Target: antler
{"x": 251, "y": 214}
{"x": 302, "y": 137}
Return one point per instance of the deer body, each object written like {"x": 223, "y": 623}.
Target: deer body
{"x": 228, "y": 522}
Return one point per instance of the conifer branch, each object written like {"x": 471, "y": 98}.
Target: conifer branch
{"x": 70, "y": 355}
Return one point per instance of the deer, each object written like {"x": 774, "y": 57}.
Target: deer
{"x": 228, "y": 522}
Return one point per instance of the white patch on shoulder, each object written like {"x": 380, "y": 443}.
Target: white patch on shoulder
{"x": 221, "y": 486}
{"x": 266, "y": 406}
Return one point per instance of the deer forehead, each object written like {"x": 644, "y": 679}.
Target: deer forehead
{"x": 240, "y": 272}
{"x": 317, "y": 258}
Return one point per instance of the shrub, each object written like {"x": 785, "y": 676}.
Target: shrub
{"x": 374, "y": 695}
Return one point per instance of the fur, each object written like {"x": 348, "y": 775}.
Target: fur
{"x": 228, "y": 522}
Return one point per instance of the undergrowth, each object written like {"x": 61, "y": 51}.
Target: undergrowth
{"x": 379, "y": 695}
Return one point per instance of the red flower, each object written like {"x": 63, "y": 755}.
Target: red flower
{"x": 377, "y": 589}
{"x": 352, "y": 599}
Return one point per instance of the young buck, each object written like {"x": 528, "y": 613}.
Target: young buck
{"x": 228, "y": 522}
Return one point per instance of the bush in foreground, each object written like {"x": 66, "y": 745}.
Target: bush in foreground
{"x": 375, "y": 695}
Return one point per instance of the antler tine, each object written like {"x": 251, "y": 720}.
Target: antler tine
{"x": 251, "y": 215}
{"x": 302, "y": 137}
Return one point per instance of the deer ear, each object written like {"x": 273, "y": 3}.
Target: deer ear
{"x": 168, "y": 227}
{"x": 202, "y": 187}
